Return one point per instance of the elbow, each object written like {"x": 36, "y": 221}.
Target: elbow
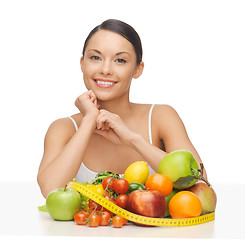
{"x": 44, "y": 186}
{"x": 44, "y": 193}
{"x": 44, "y": 190}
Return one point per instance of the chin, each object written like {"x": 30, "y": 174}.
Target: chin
{"x": 104, "y": 96}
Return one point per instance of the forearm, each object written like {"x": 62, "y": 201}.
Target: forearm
{"x": 154, "y": 155}
{"x": 149, "y": 152}
{"x": 64, "y": 167}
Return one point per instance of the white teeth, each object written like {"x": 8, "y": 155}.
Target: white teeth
{"x": 105, "y": 83}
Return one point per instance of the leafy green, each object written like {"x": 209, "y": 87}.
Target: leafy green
{"x": 102, "y": 175}
{"x": 84, "y": 199}
{"x": 43, "y": 208}
{"x": 83, "y": 183}
{"x": 98, "y": 180}
{"x": 184, "y": 181}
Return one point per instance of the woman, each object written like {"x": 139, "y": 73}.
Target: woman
{"x": 109, "y": 132}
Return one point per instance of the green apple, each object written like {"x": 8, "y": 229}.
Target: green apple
{"x": 168, "y": 199}
{"x": 207, "y": 196}
{"x": 63, "y": 203}
{"x": 181, "y": 167}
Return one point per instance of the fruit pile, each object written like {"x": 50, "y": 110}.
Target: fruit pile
{"x": 173, "y": 192}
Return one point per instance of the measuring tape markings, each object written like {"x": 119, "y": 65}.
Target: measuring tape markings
{"x": 138, "y": 218}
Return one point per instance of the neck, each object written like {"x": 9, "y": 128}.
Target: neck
{"x": 121, "y": 107}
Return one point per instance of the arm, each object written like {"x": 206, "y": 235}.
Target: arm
{"x": 111, "y": 127}
{"x": 171, "y": 131}
{"x": 63, "y": 153}
{"x": 169, "y": 127}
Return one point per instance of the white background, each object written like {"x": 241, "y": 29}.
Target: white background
{"x": 194, "y": 56}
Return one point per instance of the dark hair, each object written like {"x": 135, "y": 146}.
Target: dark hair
{"x": 124, "y": 30}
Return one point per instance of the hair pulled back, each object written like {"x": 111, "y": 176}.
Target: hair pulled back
{"x": 124, "y": 30}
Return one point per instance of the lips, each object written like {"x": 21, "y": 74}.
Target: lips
{"x": 104, "y": 83}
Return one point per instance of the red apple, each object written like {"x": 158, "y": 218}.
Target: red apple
{"x": 147, "y": 203}
{"x": 206, "y": 195}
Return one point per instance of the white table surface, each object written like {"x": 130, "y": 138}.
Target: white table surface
{"x": 19, "y": 216}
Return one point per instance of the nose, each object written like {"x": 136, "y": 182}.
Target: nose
{"x": 106, "y": 68}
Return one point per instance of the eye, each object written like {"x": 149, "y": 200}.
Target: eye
{"x": 94, "y": 57}
{"x": 121, "y": 60}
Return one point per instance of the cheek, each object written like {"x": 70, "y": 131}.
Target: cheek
{"x": 87, "y": 74}
{"x": 88, "y": 69}
{"x": 127, "y": 73}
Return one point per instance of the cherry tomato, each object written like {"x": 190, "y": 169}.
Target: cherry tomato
{"x": 117, "y": 221}
{"x": 106, "y": 196}
{"x": 94, "y": 219}
{"x": 92, "y": 205}
{"x": 81, "y": 218}
{"x": 106, "y": 181}
{"x": 122, "y": 200}
{"x": 121, "y": 185}
{"x": 125, "y": 221}
{"x": 105, "y": 218}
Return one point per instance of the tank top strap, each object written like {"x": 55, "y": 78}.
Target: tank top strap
{"x": 149, "y": 123}
{"x": 74, "y": 122}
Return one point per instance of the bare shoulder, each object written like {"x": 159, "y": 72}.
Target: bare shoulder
{"x": 77, "y": 118}
{"x": 171, "y": 130}
{"x": 160, "y": 112}
{"x": 58, "y": 135}
{"x": 141, "y": 108}
{"x": 62, "y": 129}
{"x": 167, "y": 120}
{"x": 165, "y": 111}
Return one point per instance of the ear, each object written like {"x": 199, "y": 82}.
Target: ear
{"x": 138, "y": 71}
{"x": 81, "y": 63}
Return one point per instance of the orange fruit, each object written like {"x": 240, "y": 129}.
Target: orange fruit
{"x": 159, "y": 182}
{"x": 185, "y": 204}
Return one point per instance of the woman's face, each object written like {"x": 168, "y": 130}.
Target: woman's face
{"x": 109, "y": 64}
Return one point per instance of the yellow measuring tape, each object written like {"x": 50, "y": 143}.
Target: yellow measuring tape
{"x": 138, "y": 218}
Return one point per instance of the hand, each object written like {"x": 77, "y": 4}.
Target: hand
{"x": 111, "y": 126}
{"x": 87, "y": 104}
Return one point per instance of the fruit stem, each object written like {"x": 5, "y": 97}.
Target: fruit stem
{"x": 203, "y": 179}
{"x": 200, "y": 176}
{"x": 201, "y": 170}
{"x": 65, "y": 188}
{"x": 114, "y": 176}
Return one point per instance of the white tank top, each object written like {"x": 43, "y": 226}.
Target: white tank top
{"x": 84, "y": 174}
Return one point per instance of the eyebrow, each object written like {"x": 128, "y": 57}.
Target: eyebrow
{"x": 94, "y": 50}
{"x": 122, "y": 53}
{"x": 101, "y": 53}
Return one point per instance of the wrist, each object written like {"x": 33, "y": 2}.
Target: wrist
{"x": 136, "y": 140}
{"x": 89, "y": 120}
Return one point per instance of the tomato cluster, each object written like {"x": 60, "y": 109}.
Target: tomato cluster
{"x": 120, "y": 185}
{"x": 96, "y": 215}
{"x": 99, "y": 218}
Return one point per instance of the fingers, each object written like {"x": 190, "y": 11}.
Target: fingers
{"x": 87, "y": 103}
{"x": 89, "y": 95}
{"x": 93, "y": 98}
{"x": 112, "y": 127}
{"x": 104, "y": 120}
{"x": 76, "y": 101}
{"x": 101, "y": 121}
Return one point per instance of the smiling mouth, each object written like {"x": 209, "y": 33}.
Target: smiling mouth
{"x": 104, "y": 83}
